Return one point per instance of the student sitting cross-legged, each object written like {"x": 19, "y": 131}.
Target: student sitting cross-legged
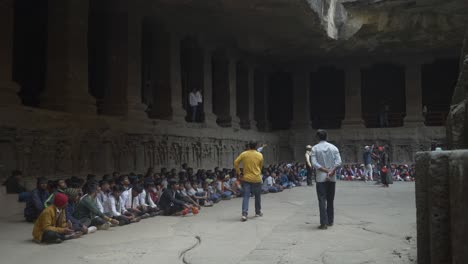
{"x": 114, "y": 207}
{"x": 87, "y": 211}
{"x": 170, "y": 203}
{"x": 51, "y": 225}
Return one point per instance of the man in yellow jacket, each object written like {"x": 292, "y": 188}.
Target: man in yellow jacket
{"x": 251, "y": 179}
{"x": 51, "y": 225}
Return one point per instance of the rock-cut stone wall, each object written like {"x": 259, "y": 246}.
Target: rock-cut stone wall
{"x": 51, "y": 144}
{"x": 441, "y": 200}
{"x": 457, "y": 120}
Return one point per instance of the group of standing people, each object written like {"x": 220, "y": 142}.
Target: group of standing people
{"x": 324, "y": 158}
{"x": 382, "y": 161}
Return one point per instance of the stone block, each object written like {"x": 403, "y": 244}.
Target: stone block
{"x": 439, "y": 208}
{"x": 458, "y": 165}
{"x": 422, "y": 207}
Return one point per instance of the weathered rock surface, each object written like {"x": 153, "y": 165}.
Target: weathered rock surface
{"x": 457, "y": 120}
{"x": 441, "y": 206}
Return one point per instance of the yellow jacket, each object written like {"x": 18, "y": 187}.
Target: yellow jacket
{"x": 49, "y": 220}
{"x": 252, "y": 161}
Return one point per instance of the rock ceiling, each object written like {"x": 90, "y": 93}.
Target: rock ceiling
{"x": 298, "y": 29}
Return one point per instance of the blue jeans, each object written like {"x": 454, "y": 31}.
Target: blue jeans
{"x": 326, "y": 195}
{"x": 256, "y": 189}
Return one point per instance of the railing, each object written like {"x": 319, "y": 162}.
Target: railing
{"x": 372, "y": 120}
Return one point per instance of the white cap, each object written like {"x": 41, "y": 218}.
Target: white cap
{"x": 308, "y": 147}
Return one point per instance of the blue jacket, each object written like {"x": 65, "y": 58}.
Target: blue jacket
{"x": 35, "y": 204}
{"x": 69, "y": 210}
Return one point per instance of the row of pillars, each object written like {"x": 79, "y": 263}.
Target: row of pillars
{"x": 67, "y": 73}
{"x": 67, "y": 85}
{"x": 353, "y": 109}
{"x": 67, "y": 59}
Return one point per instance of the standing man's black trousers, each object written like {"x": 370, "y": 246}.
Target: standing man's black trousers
{"x": 310, "y": 173}
{"x": 326, "y": 195}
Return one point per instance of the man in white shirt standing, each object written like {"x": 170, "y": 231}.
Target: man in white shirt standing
{"x": 326, "y": 159}
{"x": 309, "y": 165}
{"x": 199, "y": 97}
{"x": 193, "y": 102}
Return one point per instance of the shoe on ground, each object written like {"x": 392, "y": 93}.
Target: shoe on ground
{"x": 56, "y": 241}
{"x": 323, "y": 227}
{"x": 244, "y": 218}
{"x": 330, "y": 225}
{"x": 195, "y": 210}
{"x": 105, "y": 226}
{"x": 259, "y": 214}
{"x": 91, "y": 229}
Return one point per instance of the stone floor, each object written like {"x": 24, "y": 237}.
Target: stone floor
{"x": 372, "y": 225}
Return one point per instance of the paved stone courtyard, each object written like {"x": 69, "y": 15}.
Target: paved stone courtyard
{"x": 372, "y": 225}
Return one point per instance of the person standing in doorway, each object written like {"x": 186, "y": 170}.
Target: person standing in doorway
{"x": 251, "y": 179}
{"x": 326, "y": 159}
{"x": 199, "y": 97}
{"x": 310, "y": 169}
{"x": 193, "y": 102}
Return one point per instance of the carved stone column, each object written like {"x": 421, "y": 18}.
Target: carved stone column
{"x": 301, "y": 108}
{"x": 353, "y": 110}
{"x": 261, "y": 100}
{"x": 251, "y": 96}
{"x": 414, "y": 115}
{"x": 210, "y": 117}
{"x": 67, "y": 58}
{"x": 232, "y": 71}
{"x": 135, "y": 106}
{"x": 175, "y": 78}
{"x": 123, "y": 92}
{"x": 8, "y": 89}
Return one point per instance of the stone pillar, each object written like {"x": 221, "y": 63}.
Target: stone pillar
{"x": 261, "y": 100}
{"x": 353, "y": 106}
{"x": 422, "y": 208}
{"x": 251, "y": 96}
{"x": 232, "y": 71}
{"x": 67, "y": 58}
{"x": 301, "y": 93}
{"x": 210, "y": 117}
{"x": 414, "y": 115}
{"x": 177, "y": 111}
{"x": 8, "y": 89}
{"x": 116, "y": 58}
{"x": 135, "y": 107}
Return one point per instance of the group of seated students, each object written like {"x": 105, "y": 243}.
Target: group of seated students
{"x": 69, "y": 208}
{"x": 356, "y": 172}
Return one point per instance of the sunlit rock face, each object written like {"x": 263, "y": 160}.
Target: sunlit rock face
{"x": 301, "y": 29}
{"x": 380, "y": 25}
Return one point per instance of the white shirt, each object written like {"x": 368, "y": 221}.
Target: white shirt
{"x": 307, "y": 157}
{"x": 269, "y": 181}
{"x": 325, "y": 155}
{"x": 193, "y": 101}
{"x": 101, "y": 199}
{"x": 127, "y": 200}
{"x": 110, "y": 207}
{"x": 191, "y": 192}
{"x": 146, "y": 201}
{"x": 199, "y": 97}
